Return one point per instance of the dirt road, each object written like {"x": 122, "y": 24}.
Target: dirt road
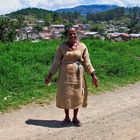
{"x": 109, "y": 116}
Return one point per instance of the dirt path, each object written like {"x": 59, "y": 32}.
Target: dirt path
{"x": 110, "y": 116}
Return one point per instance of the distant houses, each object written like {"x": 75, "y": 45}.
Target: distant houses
{"x": 122, "y": 36}
{"x": 45, "y": 35}
{"x": 118, "y": 36}
{"x": 135, "y": 36}
{"x": 55, "y": 31}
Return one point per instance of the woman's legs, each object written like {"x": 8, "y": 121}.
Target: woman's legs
{"x": 75, "y": 113}
{"x": 66, "y": 113}
{"x": 67, "y": 118}
{"x": 75, "y": 119}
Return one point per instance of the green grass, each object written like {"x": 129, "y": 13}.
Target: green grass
{"x": 116, "y": 63}
{"x": 24, "y": 65}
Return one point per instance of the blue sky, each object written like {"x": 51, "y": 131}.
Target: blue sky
{"x": 7, "y": 6}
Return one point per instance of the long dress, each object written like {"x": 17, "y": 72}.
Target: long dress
{"x": 71, "y": 84}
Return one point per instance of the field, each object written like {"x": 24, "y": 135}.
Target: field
{"x": 24, "y": 65}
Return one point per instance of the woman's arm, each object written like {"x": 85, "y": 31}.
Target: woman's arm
{"x": 87, "y": 63}
{"x": 55, "y": 65}
{"x": 89, "y": 68}
{"x": 56, "y": 61}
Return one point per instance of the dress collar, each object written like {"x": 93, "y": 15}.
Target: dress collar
{"x": 74, "y": 46}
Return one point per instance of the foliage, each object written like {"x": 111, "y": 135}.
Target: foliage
{"x": 48, "y": 16}
{"x": 35, "y": 12}
{"x": 7, "y": 29}
{"x": 134, "y": 24}
{"x": 107, "y": 15}
{"x": 98, "y": 27}
{"x": 38, "y": 28}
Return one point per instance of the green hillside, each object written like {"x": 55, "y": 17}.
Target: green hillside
{"x": 24, "y": 66}
{"x": 35, "y": 12}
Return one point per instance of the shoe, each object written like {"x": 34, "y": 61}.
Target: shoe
{"x": 65, "y": 122}
{"x": 76, "y": 122}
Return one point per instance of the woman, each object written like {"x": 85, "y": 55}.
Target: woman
{"x": 71, "y": 59}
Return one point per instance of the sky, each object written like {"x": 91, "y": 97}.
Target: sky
{"x": 7, "y": 6}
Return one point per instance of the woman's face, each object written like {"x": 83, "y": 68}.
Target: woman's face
{"x": 72, "y": 35}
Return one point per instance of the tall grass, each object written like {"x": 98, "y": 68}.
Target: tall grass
{"x": 116, "y": 63}
{"x": 24, "y": 65}
{"x": 23, "y": 68}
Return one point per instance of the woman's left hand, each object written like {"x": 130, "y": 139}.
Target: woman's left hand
{"x": 95, "y": 81}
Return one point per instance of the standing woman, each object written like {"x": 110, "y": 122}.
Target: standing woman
{"x": 71, "y": 59}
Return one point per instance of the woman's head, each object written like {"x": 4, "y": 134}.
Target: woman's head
{"x": 72, "y": 35}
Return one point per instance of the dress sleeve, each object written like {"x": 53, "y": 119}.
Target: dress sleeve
{"x": 56, "y": 61}
{"x": 86, "y": 61}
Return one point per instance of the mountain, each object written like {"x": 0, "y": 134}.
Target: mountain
{"x": 84, "y": 9}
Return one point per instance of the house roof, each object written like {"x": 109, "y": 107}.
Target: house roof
{"x": 119, "y": 34}
{"x": 135, "y": 35}
{"x": 90, "y": 33}
{"x": 58, "y": 25}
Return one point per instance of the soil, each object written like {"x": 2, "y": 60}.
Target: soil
{"x": 113, "y": 115}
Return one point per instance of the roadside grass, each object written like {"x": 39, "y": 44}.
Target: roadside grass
{"x": 116, "y": 63}
{"x": 24, "y": 65}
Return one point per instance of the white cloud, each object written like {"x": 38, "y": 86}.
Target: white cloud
{"x": 7, "y": 6}
{"x": 53, "y": 4}
{"x": 60, "y": 4}
{"x": 32, "y": 3}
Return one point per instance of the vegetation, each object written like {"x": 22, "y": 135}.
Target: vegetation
{"x": 107, "y": 15}
{"x": 7, "y": 29}
{"x": 38, "y": 28}
{"x": 49, "y": 16}
{"x": 98, "y": 27}
{"x": 35, "y": 12}
{"x": 24, "y": 66}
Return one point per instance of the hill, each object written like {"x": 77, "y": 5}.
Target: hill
{"x": 84, "y": 9}
{"x": 35, "y": 12}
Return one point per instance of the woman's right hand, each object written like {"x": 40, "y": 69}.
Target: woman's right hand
{"x": 47, "y": 80}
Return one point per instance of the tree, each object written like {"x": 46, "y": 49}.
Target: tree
{"x": 20, "y": 19}
{"x": 98, "y": 28}
{"x": 134, "y": 20}
{"x": 48, "y": 19}
{"x": 38, "y": 28}
{"x": 7, "y": 29}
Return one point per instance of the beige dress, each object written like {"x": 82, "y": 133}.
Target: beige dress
{"x": 71, "y": 85}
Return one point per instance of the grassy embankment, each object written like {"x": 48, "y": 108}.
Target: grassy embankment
{"x": 23, "y": 66}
